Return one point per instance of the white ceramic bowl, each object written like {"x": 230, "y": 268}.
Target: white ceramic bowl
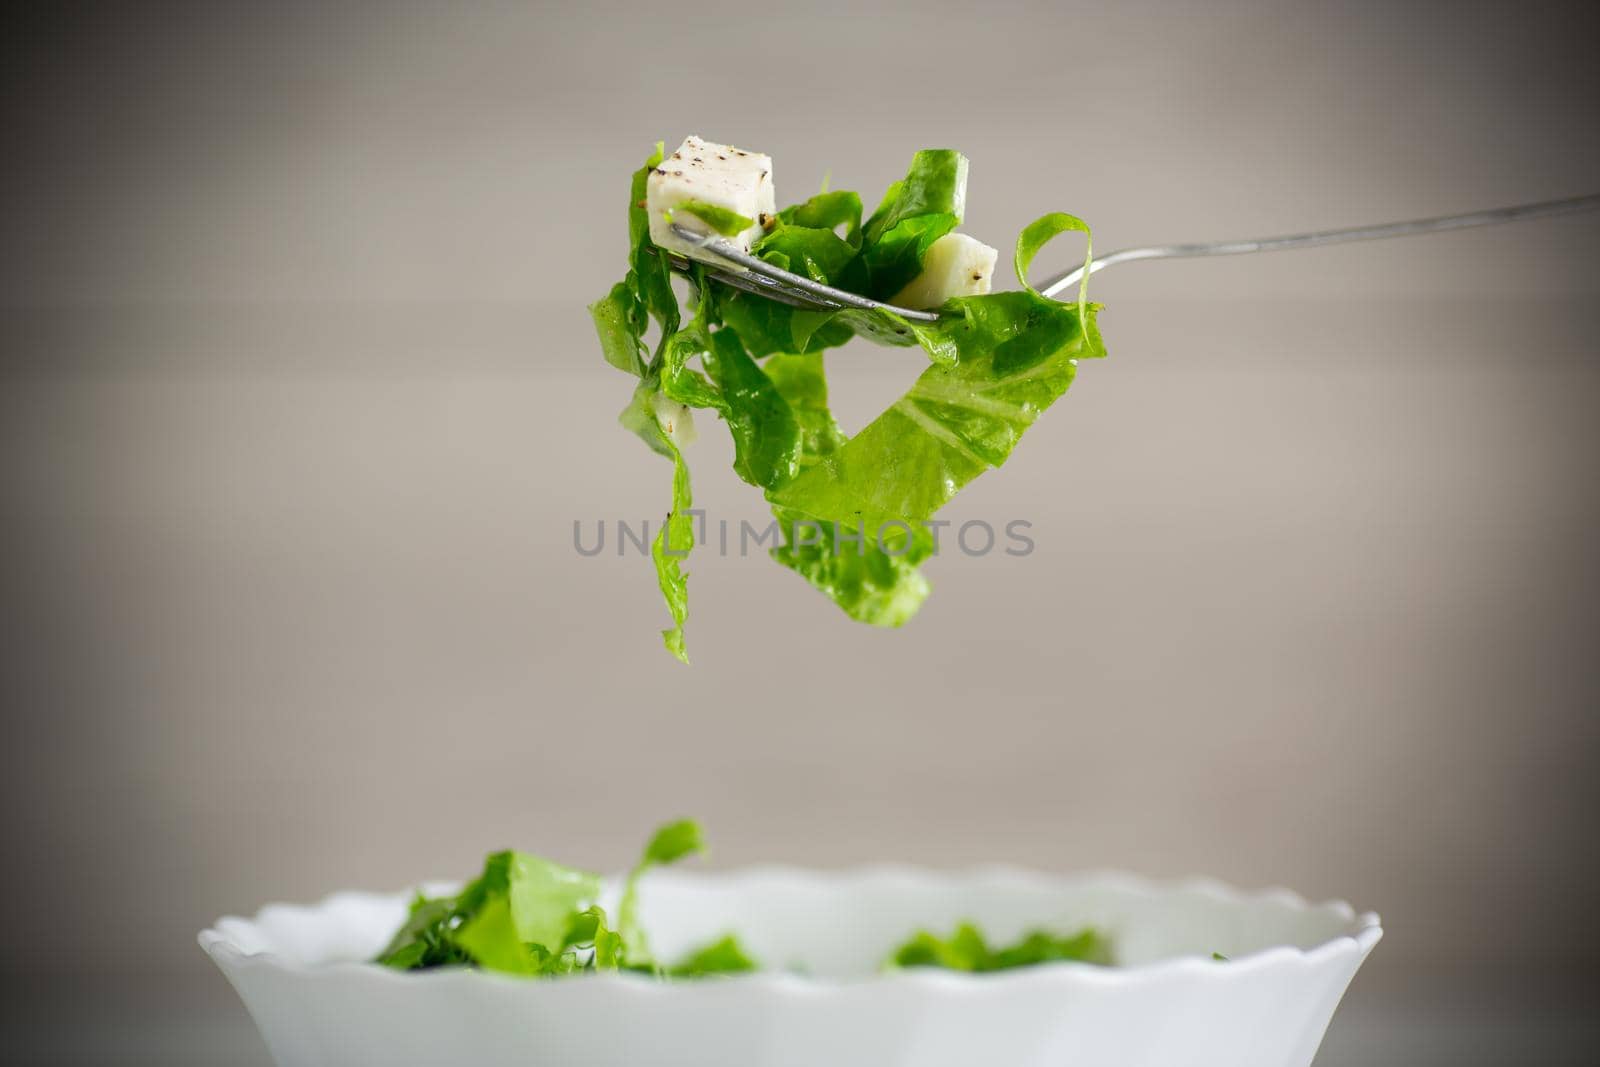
{"x": 299, "y": 971}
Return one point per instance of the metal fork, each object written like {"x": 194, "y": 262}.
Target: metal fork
{"x": 786, "y": 287}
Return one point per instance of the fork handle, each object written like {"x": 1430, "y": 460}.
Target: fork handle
{"x": 1569, "y": 206}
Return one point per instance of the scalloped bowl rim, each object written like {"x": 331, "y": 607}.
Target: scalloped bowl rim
{"x": 1365, "y": 930}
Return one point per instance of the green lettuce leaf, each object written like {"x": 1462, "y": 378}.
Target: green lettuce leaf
{"x": 426, "y": 938}
{"x": 527, "y": 915}
{"x": 767, "y": 327}
{"x": 872, "y": 582}
{"x": 621, "y": 320}
{"x": 670, "y": 548}
{"x": 828, "y": 211}
{"x": 802, "y": 382}
{"x": 918, "y": 210}
{"x": 1018, "y": 354}
{"x": 725, "y": 956}
{"x": 671, "y": 843}
{"x": 490, "y": 938}
{"x": 649, "y": 274}
{"x": 814, "y": 252}
{"x": 766, "y": 435}
{"x": 543, "y": 895}
{"x": 967, "y": 950}
{"x": 620, "y": 342}
{"x": 955, "y": 422}
{"x": 675, "y": 538}
{"x": 588, "y": 930}
{"x": 519, "y": 904}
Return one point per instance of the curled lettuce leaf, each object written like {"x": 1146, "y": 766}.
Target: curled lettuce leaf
{"x": 620, "y": 342}
{"x": 670, "y": 844}
{"x": 675, "y": 538}
{"x": 1017, "y": 354}
{"x": 918, "y": 210}
{"x": 621, "y": 319}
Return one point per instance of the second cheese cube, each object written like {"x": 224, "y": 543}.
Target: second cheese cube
{"x": 956, "y": 265}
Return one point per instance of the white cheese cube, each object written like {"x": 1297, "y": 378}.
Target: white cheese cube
{"x": 956, "y": 265}
{"x": 717, "y": 175}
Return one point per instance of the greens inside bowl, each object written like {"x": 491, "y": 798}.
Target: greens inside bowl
{"x": 526, "y": 915}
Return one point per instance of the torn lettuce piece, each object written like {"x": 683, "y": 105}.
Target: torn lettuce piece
{"x": 918, "y": 210}
{"x": 966, "y": 949}
{"x": 621, "y": 320}
{"x": 725, "y": 956}
{"x": 802, "y": 382}
{"x": 525, "y": 915}
{"x": 766, "y": 437}
{"x": 814, "y": 252}
{"x": 490, "y": 938}
{"x": 766, "y": 327}
{"x": 828, "y": 211}
{"x": 649, "y": 274}
{"x": 675, "y": 538}
{"x": 668, "y": 550}
{"x": 670, "y": 844}
{"x": 519, "y": 900}
{"x": 542, "y": 896}
{"x": 1016, "y": 354}
{"x": 870, "y": 581}
{"x": 620, "y": 342}
{"x": 427, "y": 937}
{"x": 954, "y": 424}
{"x": 803, "y": 239}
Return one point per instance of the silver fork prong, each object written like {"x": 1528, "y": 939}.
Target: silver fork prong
{"x": 748, "y": 281}
{"x": 820, "y": 297}
{"x": 767, "y": 289}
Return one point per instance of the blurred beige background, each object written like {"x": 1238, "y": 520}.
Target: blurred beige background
{"x": 299, "y": 402}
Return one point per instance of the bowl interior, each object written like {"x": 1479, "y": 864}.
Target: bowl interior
{"x": 844, "y": 924}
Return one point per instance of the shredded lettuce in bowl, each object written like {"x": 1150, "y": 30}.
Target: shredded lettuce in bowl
{"x": 529, "y": 916}
{"x": 852, "y": 509}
